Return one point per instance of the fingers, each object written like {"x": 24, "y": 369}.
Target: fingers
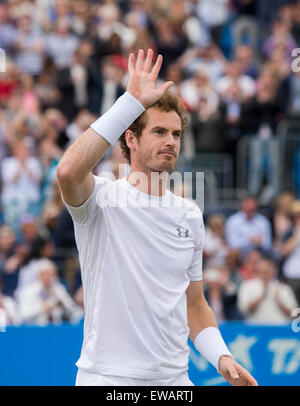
{"x": 156, "y": 67}
{"x": 244, "y": 378}
{"x": 165, "y": 87}
{"x": 131, "y": 63}
{"x": 140, "y": 61}
{"x": 248, "y": 379}
{"x": 148, "y": 61}
{"x": 233, "y": 372}
{"x": 140, "y": 65}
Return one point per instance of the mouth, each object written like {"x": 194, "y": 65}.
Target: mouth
{"x": 168, "y": 154}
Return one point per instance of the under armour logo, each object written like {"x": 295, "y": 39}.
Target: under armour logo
{"x": 182, "y": 232}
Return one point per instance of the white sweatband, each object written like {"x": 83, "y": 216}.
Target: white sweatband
{"x": 211, "y": 345}
{"x": 113, "y": 123}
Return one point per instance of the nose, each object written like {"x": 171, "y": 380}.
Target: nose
{"x": 170, "y": 140}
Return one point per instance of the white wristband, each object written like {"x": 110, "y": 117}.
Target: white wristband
{"x": 211, "y": 345}
{"x": 112, "y": 124}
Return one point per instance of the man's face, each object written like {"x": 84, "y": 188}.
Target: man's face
{"x": 249, "y": 207}
{"x": 265, "y": 271}
{"x": 157, "y": 149}
{"x": 47, "y": 276}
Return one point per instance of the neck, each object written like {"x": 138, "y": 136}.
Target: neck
{"x": 149, "y": 182}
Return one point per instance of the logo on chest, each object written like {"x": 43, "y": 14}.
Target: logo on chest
{"x": 182, "y": 232}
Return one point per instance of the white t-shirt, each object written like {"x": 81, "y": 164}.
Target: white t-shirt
{"x": 136, "y": 263}
{"x": 268, "y": 312}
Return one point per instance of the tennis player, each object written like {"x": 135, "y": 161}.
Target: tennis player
{"x": 140, "y": 246}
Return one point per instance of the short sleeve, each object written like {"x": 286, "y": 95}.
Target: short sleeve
{"x": 195, "y": 272}
{"x": 85, "y": 213}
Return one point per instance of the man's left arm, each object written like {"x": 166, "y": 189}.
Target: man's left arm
{"x": 206, "y": 336}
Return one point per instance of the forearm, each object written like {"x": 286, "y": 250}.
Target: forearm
{"x": 205, "y": 334}
{"x": 87, "y": 151}
{"x": 200, "y": 316}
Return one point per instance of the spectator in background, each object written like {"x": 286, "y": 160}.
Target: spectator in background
{"x": 9, "y": 260}
{"x": 169, "y": 44}
{"x": 50, "y": 154}
{"x": 58, "y": 223}
{"x": 215, "y": 247}
{"x": 209, "y": 57}
{"x": 9, "y": 306}
{"x": 73, "y": 82}
{"x": 53, "y": 128}
{"x": 78, "y": 297}
{"x": 296, "y": 21}
{"x": 114, "y": 166}
{"x": 21, "y": 176}
{"x": 46, "y": 300}
{"x": 281, "y": 219}
{"x": 61, "y": 44}
{"x": 106, "y": 84}
{"x": 245, "y": 28}
{"x": 7, "y": 243}
{"x": 203, "y": 103}
{"x": 215, "y": 15}
{"x": 248, "y": 229}
{"x": 264, "y": 299}
{"x": 234, "y": 90}
{"x": 245, "y": 58}
{"x": 235, "y": 85}
{"x": 80, "y": 17}
{"x": 174, "y": 74}
{"x": 263, "y": 114}
{"x": 9, "y": 83}
{"x": 11, "y": 266}
{"x": 221, "y": 294}
{"x": 280, "y": 36}
{"x": 293, "y": 102}
{"x": 7, "y": 29}
{"x": 45, "y": 88}
{"x": 248, "y": 266}
{"x": 291, "y": 251}
{"x": 110, "y": 26}
{"x": 28, "y": 46}
{"x": 79, "y": 124}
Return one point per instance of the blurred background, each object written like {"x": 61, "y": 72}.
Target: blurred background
{"x": 233, "y": 62}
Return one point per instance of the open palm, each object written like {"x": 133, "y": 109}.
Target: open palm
{"x": 142, "y": 78}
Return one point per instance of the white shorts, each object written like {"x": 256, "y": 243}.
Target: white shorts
{"x": 85, "y": 378}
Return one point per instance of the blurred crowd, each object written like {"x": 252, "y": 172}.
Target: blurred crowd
{"x": 66, "y": 63}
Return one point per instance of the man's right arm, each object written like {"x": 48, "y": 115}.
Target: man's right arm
{"x": 74, "y": 175}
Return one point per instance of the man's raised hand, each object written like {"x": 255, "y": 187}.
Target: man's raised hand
{"x": 142, "y": 78}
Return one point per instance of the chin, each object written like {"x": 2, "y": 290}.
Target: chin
{"x": 166, "y": 166}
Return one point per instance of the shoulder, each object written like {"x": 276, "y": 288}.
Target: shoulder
{"x": 189, "y": 207}
{"x": 191, "y": 214}
{"x": 234, "y": 218}
{"x": 31, "y": 289}
{"x": 262, "y": 219}
{"x": 251, "y": 285}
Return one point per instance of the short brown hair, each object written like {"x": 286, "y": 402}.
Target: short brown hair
{"x": 168, "y": 102}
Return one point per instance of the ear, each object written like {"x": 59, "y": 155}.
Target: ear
{"x": 131, "y": 140}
